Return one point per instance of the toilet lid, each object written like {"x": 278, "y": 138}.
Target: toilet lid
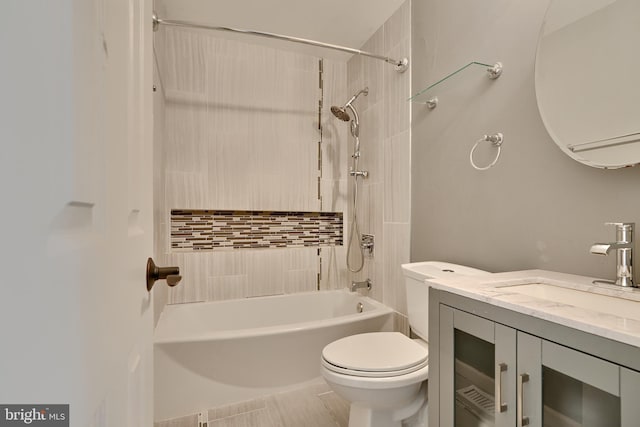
{"x": 377, "y": 354}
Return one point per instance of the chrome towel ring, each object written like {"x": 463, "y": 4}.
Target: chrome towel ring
{"x": 495, "y": 140}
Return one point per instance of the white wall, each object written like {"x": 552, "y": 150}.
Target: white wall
{"x": 75, "y": 179}
{"x": 536, "y": 208}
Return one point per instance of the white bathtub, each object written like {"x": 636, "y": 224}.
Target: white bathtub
{"x": 215, "y": 353}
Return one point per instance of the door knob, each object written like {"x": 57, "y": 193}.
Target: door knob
{"x": 170, "y": 274}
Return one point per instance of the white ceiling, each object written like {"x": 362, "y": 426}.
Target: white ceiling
{"x": 347, "y": 23}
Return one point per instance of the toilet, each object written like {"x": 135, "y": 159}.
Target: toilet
{"x": 384, "y": 374}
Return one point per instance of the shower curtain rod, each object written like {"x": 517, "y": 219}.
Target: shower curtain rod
{"x": 401, "y": 65}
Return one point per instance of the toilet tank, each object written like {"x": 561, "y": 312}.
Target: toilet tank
{"x": 418, "y": 292}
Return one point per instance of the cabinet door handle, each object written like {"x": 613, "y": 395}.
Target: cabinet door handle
{"x": 500, "y": 368}
{"x": 522, "y": 419}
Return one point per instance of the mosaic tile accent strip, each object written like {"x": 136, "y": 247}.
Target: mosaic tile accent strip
{"x": 207, "y": 230}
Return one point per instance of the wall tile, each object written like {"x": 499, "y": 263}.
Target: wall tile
{"x": 397, "y": 184}
{"x": 354, "y": 72}
{"x": 185, "y": 133}
{"x": 334, "y": 195}
{"x": 211, "y": 230}
{"x": 375, "y": 272}
{"x": 373, "y": 69}
{"x": 229, "y": 181}
{"x": 398, "y": 91}
{"x": 226, "y": 287}
{"x": 243, "y": 133}
{"x": 194, "y": 269}
{"x": 335, "y": 133}
{"x": 185, "y": 190}
{"x": 262, "y": 105}
{"x": 397, "y": 237}
{"x": 371, "y": 142}
{"x": 395, "y": 29}
{"x": 266, "y": 275}
{"x": 228, "y": 263}
{"x": 183, "y": 60}
{"x": 300, "y": 281}
{"x": 385, "y": 114}
{"x": 401, "y": 324}
{"x": 334, "y": 268}
{"x": 244, "y": 121}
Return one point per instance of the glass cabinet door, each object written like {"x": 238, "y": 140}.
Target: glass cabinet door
{"x": 578, "y": 389}
{"x": 561, "y": 387}
{"x": 477, "y": 388}
{"x": 630, "y": 397}
{"x": 567, "y": 401}
{"x": 474, "y": 380}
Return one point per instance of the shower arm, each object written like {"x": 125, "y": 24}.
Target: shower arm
{"x": 401, "y": 65}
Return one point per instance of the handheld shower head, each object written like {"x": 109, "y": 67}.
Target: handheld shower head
{"x": 342, "y": 114}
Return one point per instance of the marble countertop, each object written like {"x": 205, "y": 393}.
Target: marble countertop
{"x": 493, "y": 289}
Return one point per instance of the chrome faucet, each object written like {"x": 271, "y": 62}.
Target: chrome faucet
{"x": 624, "y": 252}
{"x": 358, "y": 285}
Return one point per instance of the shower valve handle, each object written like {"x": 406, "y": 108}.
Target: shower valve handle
{"x": 363, "y": 174}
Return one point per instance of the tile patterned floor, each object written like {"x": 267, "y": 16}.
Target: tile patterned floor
{"x": 312, "y": 406}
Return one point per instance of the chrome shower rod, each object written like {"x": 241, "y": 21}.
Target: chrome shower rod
{"x": 400, "y": 65}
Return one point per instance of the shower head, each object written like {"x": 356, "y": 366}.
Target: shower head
{"x": 342, "y": 114}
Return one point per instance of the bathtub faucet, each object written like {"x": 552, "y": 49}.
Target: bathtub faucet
{"x": 358, "y": 285}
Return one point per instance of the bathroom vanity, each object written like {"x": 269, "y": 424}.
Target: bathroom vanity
{"x": 533, "y": 348}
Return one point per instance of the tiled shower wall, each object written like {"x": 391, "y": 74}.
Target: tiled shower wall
{"x": 384, "y": 207}
{"x": 208, "y": 230}
{"x": 242, "y": 132}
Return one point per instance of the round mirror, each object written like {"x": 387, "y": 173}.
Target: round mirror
{"x": 587, "y": 79}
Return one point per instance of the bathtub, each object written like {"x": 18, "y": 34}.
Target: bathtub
{"x": 215, "y": 353}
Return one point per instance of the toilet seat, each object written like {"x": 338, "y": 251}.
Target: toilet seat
{"x": 375, "y": 355}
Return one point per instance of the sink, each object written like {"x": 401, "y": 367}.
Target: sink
{"x": 616, "y": 306}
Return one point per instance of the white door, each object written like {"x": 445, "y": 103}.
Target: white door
{"x": 76, "y": 209}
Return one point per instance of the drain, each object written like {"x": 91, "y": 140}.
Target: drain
{"x": 359, "y": 307}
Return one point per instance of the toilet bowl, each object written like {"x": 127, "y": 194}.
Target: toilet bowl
{"x": 384, "y": 374}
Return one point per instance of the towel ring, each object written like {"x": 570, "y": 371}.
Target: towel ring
{"x": 495, "y": 140}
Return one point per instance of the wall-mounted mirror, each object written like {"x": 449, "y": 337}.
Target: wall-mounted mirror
{"x": 587, "y": 79}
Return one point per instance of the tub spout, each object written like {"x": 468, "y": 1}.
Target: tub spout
{"x": 363, "y": 284}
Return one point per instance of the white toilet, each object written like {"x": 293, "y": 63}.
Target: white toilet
{"x": 384, "y": 374}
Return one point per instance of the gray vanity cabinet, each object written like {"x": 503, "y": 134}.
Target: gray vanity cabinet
{"x": 491, "y": 374}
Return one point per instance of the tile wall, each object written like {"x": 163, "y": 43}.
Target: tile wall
{"x": 242, "y": 131}
{"x": 384, "y": 205}
{"x": 210, "y": 230}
